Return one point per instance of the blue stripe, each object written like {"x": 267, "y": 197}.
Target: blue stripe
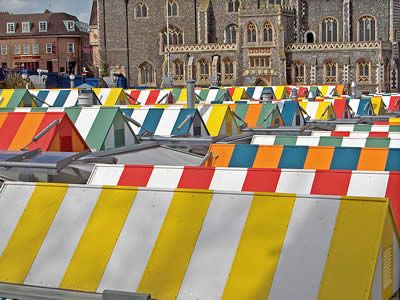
{"x": 42, "y": 95}
{"x": 243, "y": 156}
{"x": 153, "y": 117}
{"x": 364, "y": 103}
{"x": 345, "y": 158}
{"x": 293, "y": 157}
{"x": 181, "y": 117}
{"x": 289, "y": 112}
{"x": 393, "y": 160}
{"x": 62, "y": 98}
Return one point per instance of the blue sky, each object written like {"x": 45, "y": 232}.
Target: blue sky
{"x": 79, "y": 8}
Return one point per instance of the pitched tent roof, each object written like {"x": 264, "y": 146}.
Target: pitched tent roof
{"x": 264, "y": 115}
{"x": 361, "y": 107}
{"x": 319, "y": 110}
{"x": 256, "y": 92}
{"x": 15, "y": 98}
{"x": 378, "y": 105}
{"x": 291, "y": 113}
{"x": 150, "y": 97}
{"x": 187, "y": 244}
{"x": 213, "y": 95}
{"x": 219, "y": 119}
{"x": 111, "y": 96}
{"x": 304, "y": 157}
{"x": 394, "y": 103}
{"x": 357, "y": 134}
{"x": 237, "y": 93}
{"x": 341, "y": 108}
{"x": 367, "y": 127}
{"x": 55, "y": 98}
{"x": 17, "y": 131}
{"x": 102, "y": 128}
{"x": 168, "y": 122}
{"x": 325, "y": 141}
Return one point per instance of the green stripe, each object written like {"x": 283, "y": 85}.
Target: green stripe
{"x": 39, "y": 109}
{"x": 16, "y": 98}
{"x": 266, "y": 108}
{"x": 100, "y": 127}
{"x": 241, "y": 111}
{"x": 73, "y": 113}
{"x": 377, "y": 143}
{"x": 362, "y": 127}
{"x": 394, "y": 128}
{"x": 286, "y": 140}
{"x": 330, "y": 141}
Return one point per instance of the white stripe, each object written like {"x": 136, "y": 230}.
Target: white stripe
{"x": 106, "y": 175}
{"x": 23, "y": 109}
{"x": 136, "y": 241}
{"x": 103, "y": 95}
{"x": 295, "y": 182}
{"x": 51, "y": 98}
{"x": 72, "y": 99}
{"x": 359, "y": 134}
{"x": 211, "y": 96}
{"x": 394, "y": 143}
{"x": 205, "y": 112}
{"x": 321, "y": 133}
{"x": 394, "y": 135}
{"x": 167, "y": 122}
{"x": 143, "y": 97}
{"x": 312, "y": 109}
{"x": 165, "y": 177}
{"x": 379, "y": 128}
{"x": 13, "y": 200}
{"x": 305, "y": 249}
{"x": 63, "y": 237}
{"x": 228, "y": 180}
{"x": 307, "y": 141}
{"x": 258, "y": 92}
{"x": 376, "y": 293}
{"x": 268, "y": 140}
{"x": 354, "y": 103}
{"x": 138, "y": 115}
{"x": 85, "y": 121}
{"x": 216, "y": 246}
{"x": 368, "y": 184}
{"x": 344, "y": 127}
{"x": 163, "y": 95}
{"x": 354, "y": 142}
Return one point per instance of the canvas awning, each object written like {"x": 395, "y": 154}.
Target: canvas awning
{"x": 259, "y": 115}
{"x": 15, "y": 98}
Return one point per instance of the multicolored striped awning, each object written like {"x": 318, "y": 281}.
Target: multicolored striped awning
{"x": 54, "y": 98}
{"x": 319, "y": 110}
{"x": 15, "y": 98}
{"x": 196, "y": 243}
{"x": 304, "y": 157}
{"x": 367, "y": 127}
{"x": 358, "y": 134}
{"x": 18, "y": 130}
{"x": 265, "y": 115}
{"x": 150, "y": 97}
{"x": 111, "y": 96}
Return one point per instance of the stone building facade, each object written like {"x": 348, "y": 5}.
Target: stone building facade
{"x": 253, "y": 42}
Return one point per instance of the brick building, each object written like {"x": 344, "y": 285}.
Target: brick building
{"x": 253, "y": 42}
{"x": 57, "y": 42}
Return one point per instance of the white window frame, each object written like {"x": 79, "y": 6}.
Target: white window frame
{"x": 72, "y": 27}
{"x": 11, "y": 27}
{"x": 73, "y": 48}
{"x": 4, "y": 49}
{"x": 45, "y": 25}
{"x": 49, "y": 46}
{"x": 17, "y": 49}
{"x": 26, "y": 27}
{"x": 26, "y": 49}
{"x": 35, "y": 49}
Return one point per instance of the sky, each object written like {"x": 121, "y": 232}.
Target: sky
{"x": 79, "y": 8}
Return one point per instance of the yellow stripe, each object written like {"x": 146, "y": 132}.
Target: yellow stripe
{"x": 354, "y": 249}
{"x": 98, "y": 240}
{"x": 167, "y": 265}
{"x": 96, "y": 91}
{"x": 324, "y": 90}
{"x": 216, "y": 119}
{"x": 256, "y": 259}
{"x": 6, "y": 95}
{"x": 279, "y": 92}
{"x": 30, "y": 232}
{"x": 387, "y": 258}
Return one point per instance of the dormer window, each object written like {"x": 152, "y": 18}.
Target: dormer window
{"x": 11, "y": 27}
{"x": 26, "y": 27}
{"x": 43, "y": 26}
{"x": 71, "y": 25}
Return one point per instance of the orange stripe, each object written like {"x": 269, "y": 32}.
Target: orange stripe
{"x": 319, "y": 158}
{"x": 26, "y": 131}
{"x": 253, "y": 114}
{"x": 222, "y": 155}
{"x": 268, "y": 156}
{"x": 3, "y": 117}
{"x": 372, "y": 159}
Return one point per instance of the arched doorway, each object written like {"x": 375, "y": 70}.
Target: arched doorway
{"x": 310, "y": 37}
{"x": 263, "y": 81}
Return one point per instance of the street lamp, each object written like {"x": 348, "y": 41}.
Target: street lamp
{"x": 25, "y": 78}
{"x": 72, "y": 78}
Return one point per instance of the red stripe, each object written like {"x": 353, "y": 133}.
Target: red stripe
{"x": 339, "y": 107}
{"x": 331, "y": 182}
{"x": 380, "y": 123}
{"x": 393, "y": 193}
{"x": 231, "y": 91}
{"x": 196, "y": 178}
{"x": 394, "y": 103}
{"x": 136, "y": 176}
{"x": 261, "y": 180}
{"x": 379, "y": 134}
{"x": 153, "y": 95}
{"x": 135, "y": 95}
{"x": 340, "y": 133}
{"x": 45, "y": 141}
{"x": 10, "y": 129}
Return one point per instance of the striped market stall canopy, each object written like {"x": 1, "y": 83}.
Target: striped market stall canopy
{"x": 358, "y": 134}
{"x": 325, "y": 141}
{"x": 304, "y": 157}
{"x": 191, "y": 244}
{"x": 302, "y": 91}
{"x": 361, "y": 107}
{"x": 111, "y": 96}
{"x": 237, "y": 93}
{"x": 45, "y": 131}
{"x": 213, "y": 95}
{"x": 378, "y": 105}
{"x": 219, "y": 119}
{"x": 367, "y": 127}
{"x": 319, "y": 110}
{"x": 54, "y": 98}
{"x": 167, "y": 122}
{"x": 256, "y": 92}
{"x": 394, "y": 121}
{"x": 257, "y": 115}
{"x": 392, "y": 102}
{"x": 341, "y": 108}
{"x": 150, "y": 97}
{"x": 291, "y": 113}
{"x": 102, "y": 128}
{"x": 15, "y": 98}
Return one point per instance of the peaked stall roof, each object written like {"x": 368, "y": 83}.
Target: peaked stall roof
{"x": 150, "y": 97}
{"x": 325, "y": 141}
{"x": 111, "y": 96}
{"x": 55, "y": 98}
{"x": 237, "y": 93}
{"x": 15, "y": 98}
{"x": 46, "y": 131}
{"x": 173, "y": 243}
{"x": 254, "y": 116}
{"x": 319, "y": 110}
{"x": 102, "y": 128}
{"x": 304, "y": 157}
{"x": 219, "y": 119}
{"x": 291, "y": 113}
{"x": 361, "y": 107}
